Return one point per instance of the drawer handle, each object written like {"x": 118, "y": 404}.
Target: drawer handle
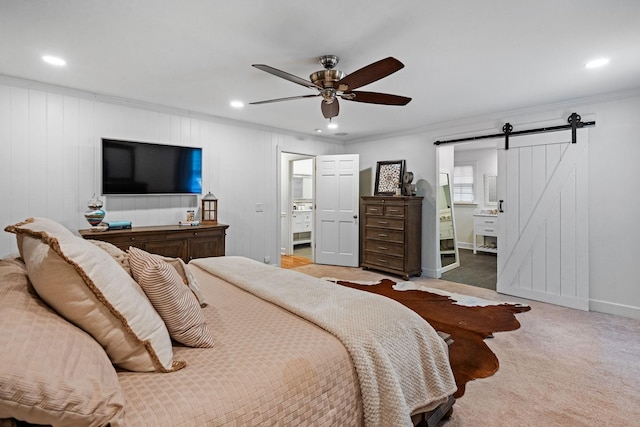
{"x": 488, "y": 222}
{"x": 383, "y": 260}
{"x": 373, "y": 209}
{"x": 195, "y": 233}
{"x": 133, "y": 238}
{"x": 490, "y": 230}
{"x": 382, "y": 248}
{"x": 394, "y": 210}
{"x": 383, "y": 235}
{"x": 383, "y": 222}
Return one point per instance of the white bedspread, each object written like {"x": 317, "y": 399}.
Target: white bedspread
{"x": 401, "y": 362}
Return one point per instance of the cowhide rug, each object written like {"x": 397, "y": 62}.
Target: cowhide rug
{"x": 468, "y": 323}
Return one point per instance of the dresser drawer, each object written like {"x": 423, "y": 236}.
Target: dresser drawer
{"x": 382, "y": 260}
{"x": 374, "y": 209}
{"x": 486, "y": 230}
{"x": 396, "y": 211}
{"x": 384, "y": 235}
{"x": 384, "y": 222}
{"x": 384, "y": 247}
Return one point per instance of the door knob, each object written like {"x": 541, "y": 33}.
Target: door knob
{"x": 500, "y": 202}
{"x": 355, "y": 217}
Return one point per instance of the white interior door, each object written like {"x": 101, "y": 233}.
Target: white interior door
{"x": 543, "y": 230}
{"x": 337, "y": 207}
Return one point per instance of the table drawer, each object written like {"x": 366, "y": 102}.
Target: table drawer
{"x": 486, "y": 230}
{"x": 385, "y": 235}
{"x": 385, "y": 222}
{"x": 187, "y": 233}
{"x": 382, "y": 247}
{"x": 129, "y": 239}
{"x": 485, "y": 221}
{"x": 383, "y": 260}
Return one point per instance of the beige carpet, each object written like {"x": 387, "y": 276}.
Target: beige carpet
{"x": 563, "y": 367}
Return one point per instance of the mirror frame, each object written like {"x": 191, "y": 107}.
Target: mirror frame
{"x": 488, "y": 178}
{"x": 455, "y": 264}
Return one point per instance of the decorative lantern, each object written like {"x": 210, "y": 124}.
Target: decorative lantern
{"x": 209, "y": 209}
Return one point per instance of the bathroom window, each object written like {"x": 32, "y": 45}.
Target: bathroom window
{"x": 464, "y": 183}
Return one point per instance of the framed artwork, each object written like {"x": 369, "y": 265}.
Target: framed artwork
{"x": 389, "y": 177}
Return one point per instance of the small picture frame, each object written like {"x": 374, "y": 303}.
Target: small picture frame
{"x": 389, "y": 177}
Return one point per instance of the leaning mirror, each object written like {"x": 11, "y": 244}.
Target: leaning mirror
{"x": 448, "y": 248}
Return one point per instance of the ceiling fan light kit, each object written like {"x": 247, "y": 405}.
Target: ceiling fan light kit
{"x": 332, "y": 84}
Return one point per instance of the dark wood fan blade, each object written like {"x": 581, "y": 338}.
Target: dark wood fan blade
{"x": 376, "y": 98}
{"x": 286, "y": 76}
{"x": 330, "y": 110}
{"x": 369, "y": 74}
{"x": 283, "y": 99}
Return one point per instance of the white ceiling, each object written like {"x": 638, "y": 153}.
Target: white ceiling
{"x": 462, "y": 58}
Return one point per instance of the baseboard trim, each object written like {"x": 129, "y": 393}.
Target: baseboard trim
{"x": 613, "y": 308}
{"x": 465, "y": 245}
{"x": 430, "y": 273}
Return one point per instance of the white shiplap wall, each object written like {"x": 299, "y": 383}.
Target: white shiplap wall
{"x": 50, "y": 164}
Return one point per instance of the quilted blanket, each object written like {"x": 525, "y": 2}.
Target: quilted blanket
{"x": 401, "y": 362}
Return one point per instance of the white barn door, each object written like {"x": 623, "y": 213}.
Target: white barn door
{"x": 337, "y": 208}
{"x": 543, "y": 240}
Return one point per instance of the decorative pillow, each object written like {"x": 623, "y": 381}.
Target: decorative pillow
{"x": 174, "y": 301}
{"x": 116, "y": 253}
{"x": 51, "y": 372}
{"x": 88, "y": 287}
{"x": 188, "y": 278}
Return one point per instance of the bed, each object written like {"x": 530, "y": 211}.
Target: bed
{"x": 279, "y": 355}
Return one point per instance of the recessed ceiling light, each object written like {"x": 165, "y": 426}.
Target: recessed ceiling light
{"x": 54, "y": 60}
{"x": 332, "y": 126}
{"x": 237, "y": 104}
{"x": 597, "y": 63}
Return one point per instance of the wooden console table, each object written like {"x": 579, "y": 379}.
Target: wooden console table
{"x": 186, "y": 242}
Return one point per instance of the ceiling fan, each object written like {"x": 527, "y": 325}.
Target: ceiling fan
{"x": 333, "y": 84}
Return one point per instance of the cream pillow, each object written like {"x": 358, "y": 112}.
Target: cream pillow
{"x": 51, "y": 372}
{"x": 172, "y": 299}
{"x": 86, "y": 286}
{"x": 121, "y": 257}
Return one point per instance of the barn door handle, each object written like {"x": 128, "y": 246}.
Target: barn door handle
{"x": 500, "y": 202}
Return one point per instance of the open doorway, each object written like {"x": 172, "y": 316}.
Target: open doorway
{"x": 297, "y": 215}
{"x": 474, "y": 169}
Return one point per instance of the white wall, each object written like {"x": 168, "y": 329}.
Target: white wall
{"x": 485, "y": 161}
{"x": 49, "y": 164}
{"x": 614, "y": 155}
{"x": 49, "y": 139}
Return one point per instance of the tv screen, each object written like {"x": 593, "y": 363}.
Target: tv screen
{"x": 130, "y": 167}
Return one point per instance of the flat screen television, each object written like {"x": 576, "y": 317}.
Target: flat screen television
{"x": 136, "y": 168}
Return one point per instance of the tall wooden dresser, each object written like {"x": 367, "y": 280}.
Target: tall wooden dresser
{"x": 392, "y": 231}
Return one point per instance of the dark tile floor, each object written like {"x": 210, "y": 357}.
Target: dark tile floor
{"x": 476, "y": 270}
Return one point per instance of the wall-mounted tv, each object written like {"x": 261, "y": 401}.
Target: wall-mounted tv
{"x": 136, "y": 168}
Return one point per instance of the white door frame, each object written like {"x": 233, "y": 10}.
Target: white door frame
{"x": 279, "y": 152}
